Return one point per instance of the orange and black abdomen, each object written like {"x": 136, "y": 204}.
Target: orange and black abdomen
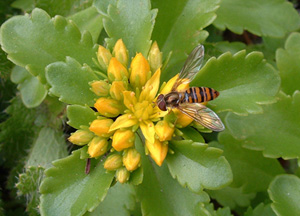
{"x": 200, "y": 94}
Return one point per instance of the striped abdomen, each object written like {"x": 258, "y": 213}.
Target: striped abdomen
{"x": 199, "y": 94}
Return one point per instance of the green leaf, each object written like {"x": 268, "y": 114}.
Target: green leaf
{"x": 89, "y": 20}
{"x": 284, "y": 191}
{"x": 160, "y": 194}
{"x": 102, "y": 5}
{"x": 50, "y": 145}
{"x": 275, "y": 131}
{"x": 68, "y": 190}
{"x": 120, "y": 200}
{"x": 131, "y": 21}
{"x": 258, "y": 17}
{"x": 250, "y": 169}
{"x": 33, "y": 92}
{"x": 36, "y": 41}
{"x": 259, "y": 210}
{"x": 178, "y": 28}
{"x": 232, "y": 197}
{"x": 244, "y": 82}
{"x": 289, "y": 65}
{"x": 219, "y": 212}
{"x": 198, "y": 166}
{"x": 80, "y": 115}
{"x": 217, "y": 49}
{"x": 54, "y": 7}
{"x": 70, "y": 82}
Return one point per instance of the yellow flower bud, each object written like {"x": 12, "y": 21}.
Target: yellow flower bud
{"x": 113, "y": 162}
{"x": 182, "y": 119}
{"x": 158, "y": 151}
{"x": 131, "y": 159}
{"x": 100, "y": 88}
{"x": 97, "y": 147}
{"x": 120, "y": 52}
{"x": 116, "y": 71}
{"x": 103, "y": 56}
{"x": 122, "y": 175}
{"x": 139, "y": 71}
{"x": 108, "y": 107}
{"x": 101, "y": 127}
{"x": 116, "y": 90}
{"x": 164, "y": 130}
{"x": 81, "y": 137}
{"x": 155, "y": 57}
{"x": 123, "y": 139}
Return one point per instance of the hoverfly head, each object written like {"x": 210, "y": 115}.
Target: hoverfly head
{"x": 161, "y": 103}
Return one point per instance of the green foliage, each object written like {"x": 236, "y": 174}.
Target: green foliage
{"x": 258, "y": 17}
{"x": 160, "y": 194}
{"x": 57, "y": 39}
{"x": 284, "y": 191}
{"x": 289, "y": 65}
{"x": 198, "y": 166}
{"x": 70, "y": 82}
{"x": 244, "y": 82}
{"x": 135, "y": 35}
{"x": 178, "y": 28}
{"x": 240, "y": 171}
{"x": 280, "y": 116}
{"x": 61, "y": 194}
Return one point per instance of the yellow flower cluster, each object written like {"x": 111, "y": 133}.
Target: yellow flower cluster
{"x": 126, "y": 103}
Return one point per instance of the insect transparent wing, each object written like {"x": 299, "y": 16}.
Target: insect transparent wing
{"x": 191, "y": 66}
{"x": 202, "y": 115}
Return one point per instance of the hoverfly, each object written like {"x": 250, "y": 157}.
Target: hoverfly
{"x": 189, "y": 101}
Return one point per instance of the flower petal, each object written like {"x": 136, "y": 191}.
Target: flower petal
{"x": 129, "y": 100}
{"x": 124, "y": 121}
{"x": 158, "y": 151}
{"x": 151, "y": 87}
{"x": 148, "y": 130}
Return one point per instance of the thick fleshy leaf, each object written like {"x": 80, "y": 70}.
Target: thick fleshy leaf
{"x": 243, "y": 81}
{"x": 284, "y": 191}
{"x": 36, "y": 41}
{"x": 33, "y": 92}
{"x": 232, "y": 197}
{"x": 80, "y": 115}
{"x": 275, "y": 132}
{"x": 260, "y": 210}
{"x": 50, "y": 145}
{"x": 119, "y": 201}
{"x": 161, "y": 195}
{"x": 258, "y": 17}
{"x": 68, "y": 190}
{"x": 178, "y": 28}
{"x": 89, "y": 20}
{"x": 288, "y": 62}
{"x": 70, "y": 82}
{"x": 54, "y": 7}
{"x": 131, "y": 21}
{"x": 198, "y": 166}
{"x": 250, "y": 169}
{"x": 219, "y": 212}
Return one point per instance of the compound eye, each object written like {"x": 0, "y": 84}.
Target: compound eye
{"x": 162, "y": 105}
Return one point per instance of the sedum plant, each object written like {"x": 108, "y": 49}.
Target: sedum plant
{"x": 84, "y": 135}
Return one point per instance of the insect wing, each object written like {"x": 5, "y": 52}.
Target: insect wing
{"x": 202, "y": 115}
{"x": 191, "y": 66}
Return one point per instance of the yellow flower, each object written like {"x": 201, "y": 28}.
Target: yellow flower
{"x": 81, "y": 137}
{"x": 126, "y": 103}
{"x": 113, "y": 162}
{"x": 123, "y": 139}
{"x": 101, "y": 127}
{"x": 103, "y": 56}
{"x": 97, "y": 147}
{"x": 131, "y": 159}
{"x": 158, "y": 151}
